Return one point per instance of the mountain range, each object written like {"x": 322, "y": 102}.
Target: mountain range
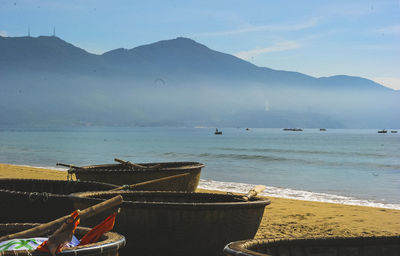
{"x": 46, "y": 81}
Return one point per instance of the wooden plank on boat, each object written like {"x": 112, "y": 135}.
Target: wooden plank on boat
{"x": 128, "y": 187}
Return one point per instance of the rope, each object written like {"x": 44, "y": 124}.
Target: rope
{"x": 69, "y": 176}
{"x": 33, "y": 196}
{"x": 45, "y": 196}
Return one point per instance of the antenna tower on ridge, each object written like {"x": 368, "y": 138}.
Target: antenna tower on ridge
{"x": 29, "y": 31}
{"x": 54, "y": 31}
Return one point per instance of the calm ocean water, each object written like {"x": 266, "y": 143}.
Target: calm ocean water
{"x": 345, "y": 166}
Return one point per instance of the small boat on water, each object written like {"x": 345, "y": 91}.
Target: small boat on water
{"x": 177, "y": 223}
{"x": 293, "y": 129}
{"x": 382, "y": 131}
{"x": 108, "y": 245}
{"x": 322, "y": 129}
{"x": 358, "y": 246}
{"x": 393, "y": 131}
{"x": 126, "y": 173}
{"x": 27, "y": 200}
{"x": 217, "y": 132}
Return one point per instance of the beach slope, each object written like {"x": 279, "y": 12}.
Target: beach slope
{"x": 284, "y": 218}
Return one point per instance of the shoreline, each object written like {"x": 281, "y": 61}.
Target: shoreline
{"x": 275, "y": 192}
{"x": 288, "y": 193}
{"x": 283, "y": 218}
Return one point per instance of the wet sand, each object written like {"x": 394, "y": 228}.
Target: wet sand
{"x": 284, "y": 218}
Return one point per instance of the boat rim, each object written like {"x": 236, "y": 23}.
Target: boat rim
{"x": 186, "y": 166}
{"x": 86, "y": 196}
{"x": 241, "y": 247}
{"x": 60, "y": 181}
{"x": 68, "y": 182}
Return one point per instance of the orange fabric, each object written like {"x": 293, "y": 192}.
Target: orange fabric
{"x": 95, "y": 233}
{"x": 43, "y": 247}
{"x": 74, "y": 218}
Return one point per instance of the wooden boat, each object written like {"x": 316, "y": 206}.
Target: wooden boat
{"x": 293, "y": 129}
{"x": 217, "y": 132}
{"x": 357, "y": 246}
{"x": 177, "y": 223}
{"x": 128, "y": 173}
{"x": 108, "y": 245}
{"x": 382, "y": 131}
{"x": 28, "y": 200}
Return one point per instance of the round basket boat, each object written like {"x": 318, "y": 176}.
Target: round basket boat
{"x": 27, "y": 200}
{"x": 355, "y": 246}
{"x": 108, "y": 245}
{"x": 124, "y": 174}
{"x": 177, "y": 223}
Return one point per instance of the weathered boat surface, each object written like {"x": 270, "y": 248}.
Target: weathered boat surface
{"x": 30, "y": 200}
{"x": 108, "y": 245}
{"x": 177, "y": 223}
{"x": 123, "y": 174}
{"x": 349, "y": 246}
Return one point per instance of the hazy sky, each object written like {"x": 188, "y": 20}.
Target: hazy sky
{"x": 318, "y": 38}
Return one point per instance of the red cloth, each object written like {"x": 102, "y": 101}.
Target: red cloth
{"x": 91, "y": 237}
{"x": 95, "y": 233}
{"x": 61, "y": 233}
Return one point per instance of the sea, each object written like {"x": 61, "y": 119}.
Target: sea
{"x": 356, "y": 167}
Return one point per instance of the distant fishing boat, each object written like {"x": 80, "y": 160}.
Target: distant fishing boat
{"x": 247, "y": 129}
{"x": 217, "y": 132}
{"x": 382, "y": 131}
{"x": 322, "y": 129}
{"x": 393, "y": 131}
{"x": 293, "y": 129}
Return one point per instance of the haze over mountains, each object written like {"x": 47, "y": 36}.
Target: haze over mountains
{"x": 46, "y": 81}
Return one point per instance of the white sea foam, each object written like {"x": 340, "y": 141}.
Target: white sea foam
{"x": 293, "y": 194}
{"x": 44, "y": 167}
{"x": 55, "y": 168}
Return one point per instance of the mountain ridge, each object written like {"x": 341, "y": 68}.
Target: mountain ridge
{"x": 175, "y": 81}
{"x": 131, "y": 53}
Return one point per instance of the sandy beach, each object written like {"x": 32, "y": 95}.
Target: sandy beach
{"x": 284, "y": 218}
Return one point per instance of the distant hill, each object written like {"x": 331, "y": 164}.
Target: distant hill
{"x": 46, "y": 81}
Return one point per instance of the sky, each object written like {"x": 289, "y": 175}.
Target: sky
{"x": 316, "y": 37}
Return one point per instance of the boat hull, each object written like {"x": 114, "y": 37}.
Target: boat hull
{"x": 357, "y": 246}
{"x": 27, "y": 200}
{"x": 175, "y": 223}
{"x": 122, "y": 174}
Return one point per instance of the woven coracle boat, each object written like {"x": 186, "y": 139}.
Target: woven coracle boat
{"x": 27, "y": 200}
{"x": 108, "y": 245}
{"x": 177, "y": 223}
{"x": 349, "y": 246}
{"x": 125, "y": 174}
